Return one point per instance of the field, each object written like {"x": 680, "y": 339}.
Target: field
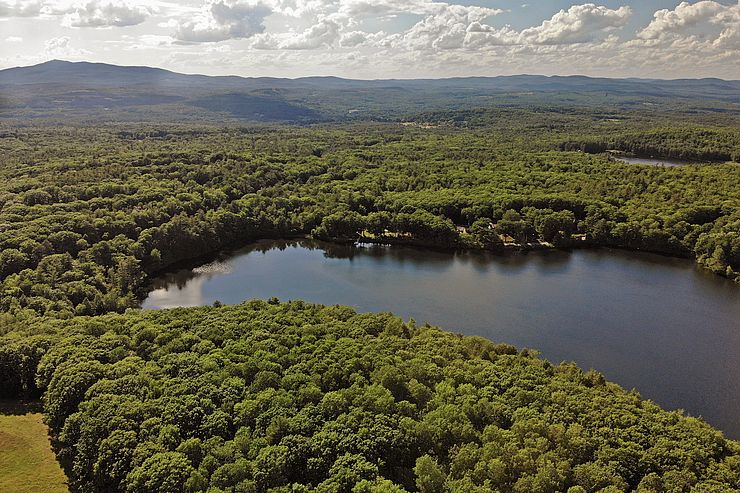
{"x": 27, "y": 463}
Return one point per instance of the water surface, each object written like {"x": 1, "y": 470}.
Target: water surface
{"x": 669, "y": 163}
{"x": 657, "y": 324}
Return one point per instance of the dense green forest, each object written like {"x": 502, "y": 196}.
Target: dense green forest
{"x": 88, "y": 214}
{"x": 270, "y": 397}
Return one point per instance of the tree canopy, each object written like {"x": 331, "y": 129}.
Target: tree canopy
{"x": 271, "y": 397}
{"x": 268, "y": 397}
{"x": 89, "y": 215}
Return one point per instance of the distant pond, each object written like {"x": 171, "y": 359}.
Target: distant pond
{"x": 658, "y": 324}
{"x": 669, "y": 163}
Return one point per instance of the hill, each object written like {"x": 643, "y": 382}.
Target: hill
{"x": 60, "y": 89}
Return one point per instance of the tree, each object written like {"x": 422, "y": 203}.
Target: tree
{"x": 555, "y": 226}
{"x": 378, "y": 222}
{"x": 114, "y": 459}
{"x": 12, "y": 260}
{"x": 429, "y": 476}
{"x": 483, "y": 231}
{"x": 127, "y": 274}
{"x": 163, "y": 472}
{"x": 346, "y": 472}
{"x": 512, "y": 224}
{"x": 340, "y": 225}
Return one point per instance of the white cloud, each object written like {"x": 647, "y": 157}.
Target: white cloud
{"x": 384, "y": 8}
{"x": 683, "y": 17}
{"x": 730, "y": 15}
{"x": 729, "y": 39}
{"x": 143, "y": 42}
{"x": 265, "y": 41}
{"x": 298, "y": 8}
{"x": 465, "y": 27}
{"x": 446, "y": 28}
{"x": 353, "y": 38}
{"x": 56, "y": 44}
{"x": 384, "y": 38}
{"x": 220, "y": 20}
{"x": 13, "y": 39}
{"x": 324, "y": 33}
{"x": 578, "y": 24}
{"x": 337, "y": 23}
{"x": 105, "y": 13}
{"x": 21, "y": 8}
{"x": 61, "y": 47}
{"x": 82, "y": 13}
{"x": 482, "y": 35}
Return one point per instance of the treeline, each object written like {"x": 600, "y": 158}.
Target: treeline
{"x": 685, "y": 144}
{"x": 425, "y": 228}
{"x": 269, "y": 397}
{"x": 87, "y": 216}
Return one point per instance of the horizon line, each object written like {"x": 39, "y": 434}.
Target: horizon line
{"x": 365, "y": 80}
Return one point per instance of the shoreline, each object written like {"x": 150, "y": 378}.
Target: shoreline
{"x": 507, "y": 249}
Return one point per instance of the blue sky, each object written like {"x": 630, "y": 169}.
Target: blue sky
{"x": 382, "y": 38}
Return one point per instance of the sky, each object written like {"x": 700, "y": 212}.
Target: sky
{"x": 377, "y": 39}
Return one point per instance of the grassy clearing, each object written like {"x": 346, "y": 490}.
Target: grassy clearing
{"x": 27, "y": 463}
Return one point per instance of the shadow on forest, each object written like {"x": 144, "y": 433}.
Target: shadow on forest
{"x": 17, "y": 407}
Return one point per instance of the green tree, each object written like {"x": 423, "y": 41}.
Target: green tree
{"x": 163, "y": 472}
{"x": 429, "y": 476}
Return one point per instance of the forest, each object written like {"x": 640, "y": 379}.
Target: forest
{"x": 291, "y": 397}
{"x": 89, "y": 214}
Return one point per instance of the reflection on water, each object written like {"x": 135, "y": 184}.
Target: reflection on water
{"x": 672, "y": 163}
{"x": 654, "y": 323}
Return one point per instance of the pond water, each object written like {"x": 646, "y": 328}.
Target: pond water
{"x": 672, "y": 163}
{"x": 658, "y": 324}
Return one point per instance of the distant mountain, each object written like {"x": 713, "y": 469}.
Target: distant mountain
{"x": 96, "y": 90}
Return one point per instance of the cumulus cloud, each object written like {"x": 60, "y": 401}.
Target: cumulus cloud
{"x": 382, "y": 8}
{"x": 730, "y": 15}
{"x": 578, "y": 24}
{"x": 402, "y": 37}
{"x": 482, "y": 35}
{"x": 61, "y": 47}
{"x": 464, "y": 27}
{"x": 265, "y": 41}
{"x": 685, "y": 15}
{"x": 105, "y": 13}
{"x": 298, "y": 8}
{"x": 80, "y": 13}
{"x": 324, "y": 33}
{"x": 445, "y": 28}
{"x": 729, "y": 39}
{"x": 333, "y": 23}
{"x": 356, "y": 9}
{"x": 353, "y": 38}
{"x": 144, "y": 42}
{"x": 21, "y": 8}
{"x": 220, "y": 20}
{"x": 56, "y": 44}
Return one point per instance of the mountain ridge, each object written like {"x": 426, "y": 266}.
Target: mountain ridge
{"x": 66, "y": 63}
{"x": 101, "y": 91}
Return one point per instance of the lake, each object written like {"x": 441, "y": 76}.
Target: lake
{"x": 658, "y": 324}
